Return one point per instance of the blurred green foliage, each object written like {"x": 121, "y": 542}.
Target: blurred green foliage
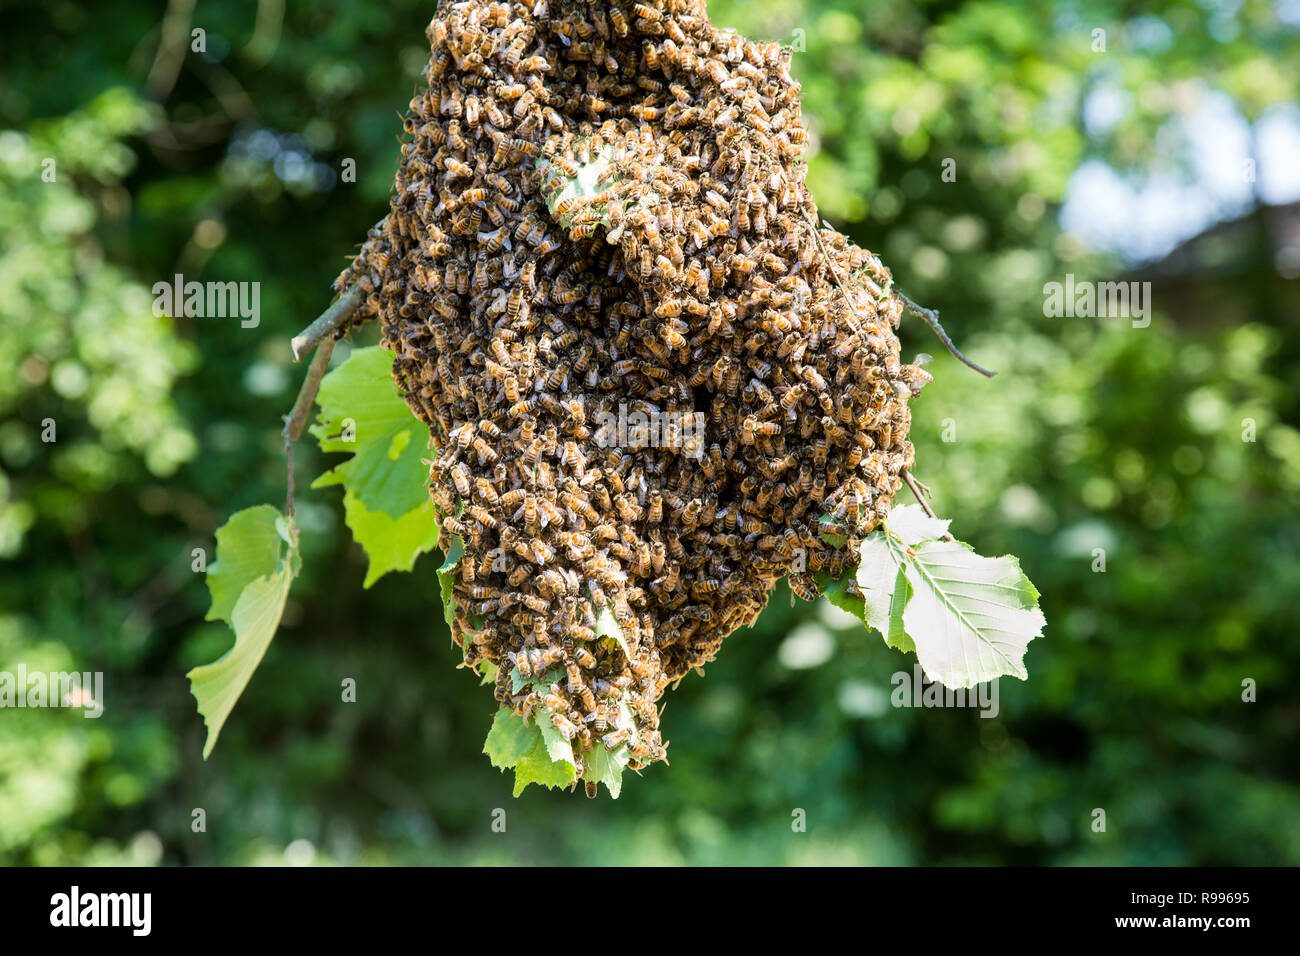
{"x": 226, "y": 165}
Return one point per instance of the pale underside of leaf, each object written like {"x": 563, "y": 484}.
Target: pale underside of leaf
{"x": 884, "y": 587}
{"x": 970, "y": 617}
{"x": 913, "y": 525}
{"x": 592, "y": 179}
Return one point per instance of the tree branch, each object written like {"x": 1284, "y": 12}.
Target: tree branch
{"x": 327, "y": 322}
{"x": 296, "y": 420}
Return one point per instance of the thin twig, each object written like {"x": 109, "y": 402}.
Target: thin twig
{"x": 931, "y": 318}
{"x": 830, "y": 264}
{"x": 296, "y": 420}
{"x": 327, "y": 322}
{"x": 288, "y": 494}
{"x": 925, "y": 505}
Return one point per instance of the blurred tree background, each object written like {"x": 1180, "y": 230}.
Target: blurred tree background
{"x": 225, "y": 165}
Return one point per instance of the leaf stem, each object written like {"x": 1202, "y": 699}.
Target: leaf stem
{"x": 925, "y": 505}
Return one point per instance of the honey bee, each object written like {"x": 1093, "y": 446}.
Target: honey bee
{"x": 482, "y": 516}
{"x": 568, "y": 730}
{"x": 542, "y": 553}
{"x": 522, "y": 663}
{"x": 553, "y": 700}
{"x": 792, "y": 397}
{"x": 641, "y": 750}
{"x": 461, "y": 477}
{"x": 613, "y": 739}
{"x": 672, "y": 338}
{"x": 456, "y": 169}
{"x": 543, "y": 659}
{"x": 706, "y": 586}
{"x": 486, "y": 492}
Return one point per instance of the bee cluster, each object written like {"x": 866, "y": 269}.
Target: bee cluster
{"x": 691, "y": 280}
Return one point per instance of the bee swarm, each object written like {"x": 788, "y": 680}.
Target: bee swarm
{"x": 689, "y": 280}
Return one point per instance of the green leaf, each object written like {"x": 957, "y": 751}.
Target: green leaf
{"x": 248, "y": 548}
{"x": 513, "y": 743}
{"x": 538, "y": 767}
{"x": 557, "y": 748}
{"x": 604, "y": 766}
{"x": 970, "y": 617}
{"x": 884, "y": 587}
{"x": 896, "y": 636}
{"x": 837, "y": 592}
{"x": 257, "y": 558}
{"x": 455, "y": 551}
{"x": 509, "y": 739}
{"x": 390, "y": 545}
{"x": 217, "y": 686}
{"x": 385, "y": 499}
{"x": 358, "y": 401}
{"x": 875, "y": 606}
{"x": 589, "y": 182}
{"x": 835, "y": 540}
{"x": 519, "y": 683}
{"x": 607, "y": 627}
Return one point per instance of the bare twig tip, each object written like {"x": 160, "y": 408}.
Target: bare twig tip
{"x": 931, "y": 318}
